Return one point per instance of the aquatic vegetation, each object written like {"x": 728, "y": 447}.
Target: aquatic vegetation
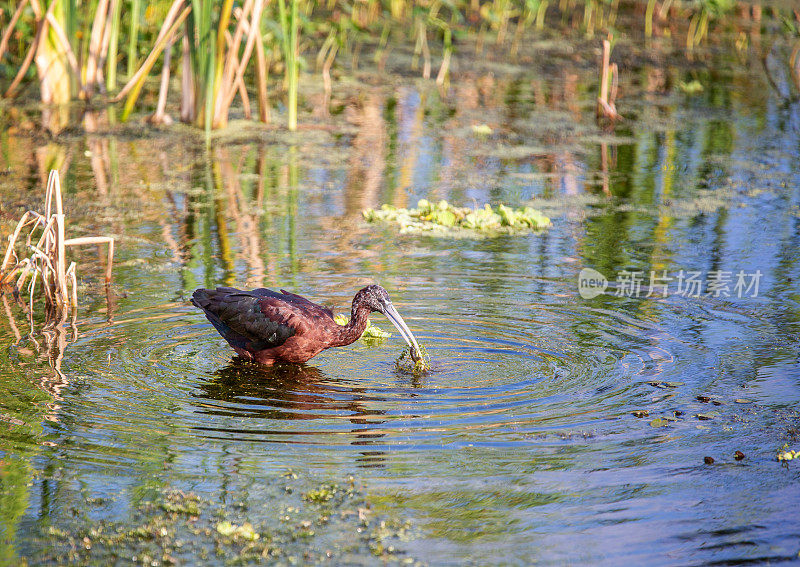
{"x": 245, "y": 531}
{"x": 45, "y": 261}
{"x": 481, "y": 130}
{"x": 322, "y": 494}
{"x": 788, "y": 455}
{"x": 699, "y": 24}
{"x": 73, "y": 46}
{"x": 411, "y": 362}
{"x": 289, "y": 27}
{"x": 442, "y": 218}
{"x": 371, "y": 332}
{"x": 180, "y": 503}
{"x": 308, "y": 527}
{"x": 691, "y": 87}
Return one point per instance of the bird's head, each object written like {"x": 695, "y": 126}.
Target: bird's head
{"x": 373, "y": 297}
{"x": 377, "y": 299}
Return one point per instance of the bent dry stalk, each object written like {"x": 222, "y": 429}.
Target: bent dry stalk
{"x": 608, "y": 86}
{"x": 46, "y": 260}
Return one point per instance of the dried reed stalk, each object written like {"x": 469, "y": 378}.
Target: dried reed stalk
{"x": 46, "y": 260}
{"x": 10, "y": 27}
{"x": 608, "y": 86}
{"x": 42, "y": 24}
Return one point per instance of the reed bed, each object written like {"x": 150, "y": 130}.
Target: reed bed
{"x": 224, "y": 50}
{"x": 36, "y": 255}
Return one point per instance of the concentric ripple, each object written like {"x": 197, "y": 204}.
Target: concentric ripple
{"x": 529, "y": 375}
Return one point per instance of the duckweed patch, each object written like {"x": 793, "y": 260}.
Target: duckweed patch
{"x": 244, "y": 532}
{"x": 444, "y": 219}
{"x": 311, "y": 523}
{"x": 324, "y": 493}
{"x": 179, "y": 502}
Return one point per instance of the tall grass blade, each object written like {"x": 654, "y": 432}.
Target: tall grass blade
{"x": 149, "y": 62}
{"x": 133, "y": 37}
{"x": 113, "y": 47}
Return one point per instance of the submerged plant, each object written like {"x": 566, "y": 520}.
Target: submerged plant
{"x": 443, "y": 218}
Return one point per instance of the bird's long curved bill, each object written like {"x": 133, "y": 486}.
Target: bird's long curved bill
{"x": 393, "y": 316}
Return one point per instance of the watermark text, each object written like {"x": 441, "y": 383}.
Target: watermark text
{"x": 660, "y": 283}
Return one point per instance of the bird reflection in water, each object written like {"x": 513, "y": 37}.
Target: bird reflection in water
{"x": 244, "y": 389}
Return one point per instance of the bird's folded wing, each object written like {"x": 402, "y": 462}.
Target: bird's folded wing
{"x": 308, "y": 306}
{"x": 244, "y": 319}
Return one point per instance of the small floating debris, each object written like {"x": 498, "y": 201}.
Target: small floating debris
{"x": 743, "y": 401}
{"x": 706, "y": 416}
{"x": 481, "y": 130}
{"x": 788, "y": 455}
{"x": 664, "y": 385}
{"x": 444, "y": 219}
{"x": 708, "y": 460}
{"x": 640, "y": 413}
{"x": 371, "y": 332}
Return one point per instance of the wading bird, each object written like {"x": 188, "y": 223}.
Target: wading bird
{"x": 269, "y": 327}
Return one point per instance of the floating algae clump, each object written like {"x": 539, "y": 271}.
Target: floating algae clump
{"x": 371, "y": 332}
{"x": 442, "y": 218}
{"x": 245, "y": 531}
{"x": 413, "y": 362}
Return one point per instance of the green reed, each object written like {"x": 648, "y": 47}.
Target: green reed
{"x": 113, "y": 47}
{"x": 133, "y": 36}
{"x": 289, "y": 26}
{"x": 216, "y": 41}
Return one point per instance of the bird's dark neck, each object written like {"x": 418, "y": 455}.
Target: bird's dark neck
{"x": 351, "y": 332}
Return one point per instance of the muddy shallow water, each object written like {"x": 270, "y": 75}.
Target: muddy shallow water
{"x": 554, "y": 428}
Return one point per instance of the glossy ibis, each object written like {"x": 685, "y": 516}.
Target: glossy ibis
{"x": 269, "y": 327}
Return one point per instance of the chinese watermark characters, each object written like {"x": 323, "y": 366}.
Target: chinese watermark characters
{"x": 684, "y": 283}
